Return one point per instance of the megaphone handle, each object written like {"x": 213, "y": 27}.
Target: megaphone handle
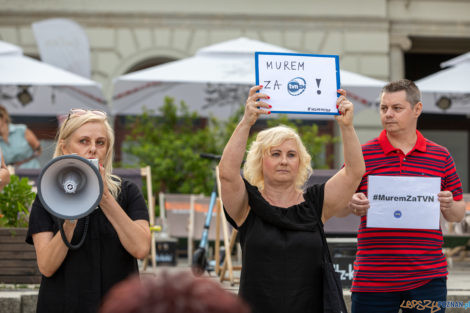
{"x": 64, "y": 238}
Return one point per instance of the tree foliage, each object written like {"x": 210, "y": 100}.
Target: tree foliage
{"x": 171, "y": 143}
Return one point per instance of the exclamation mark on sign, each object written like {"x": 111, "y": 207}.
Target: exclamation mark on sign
{"x": 318, "y": 85}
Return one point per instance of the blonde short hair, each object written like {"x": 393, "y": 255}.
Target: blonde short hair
{"x": 75, "y": 121}
{"x": 266, "y": 139}
{"x": 4, "y": 114}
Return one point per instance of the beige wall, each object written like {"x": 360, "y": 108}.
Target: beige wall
{"x": 370, "y": 36}
{"x": 123, "y": 33}
{"x": 261, "y": 7}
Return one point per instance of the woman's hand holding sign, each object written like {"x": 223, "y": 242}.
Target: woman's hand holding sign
{"x": 254, "y": 106}
{"x": 345, "y": 109}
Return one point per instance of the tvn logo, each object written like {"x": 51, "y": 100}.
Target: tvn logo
{"x": 296, "y": 86}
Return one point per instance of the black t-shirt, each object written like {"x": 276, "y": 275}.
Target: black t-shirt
{"x": 282, "y": 254}
{"x": 89, "y": 272}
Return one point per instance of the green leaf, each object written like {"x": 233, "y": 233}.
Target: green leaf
{"x": 15, "y": 200}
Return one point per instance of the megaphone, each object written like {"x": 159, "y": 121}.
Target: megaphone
{"x": 70, "y": 187}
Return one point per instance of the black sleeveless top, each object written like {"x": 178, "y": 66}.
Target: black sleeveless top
{"x": 282, "y": 254}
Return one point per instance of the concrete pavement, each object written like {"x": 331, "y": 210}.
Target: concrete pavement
{"x": 22, "y": 298}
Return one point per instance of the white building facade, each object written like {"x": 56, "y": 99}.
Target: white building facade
{"x": 372, "y": 37}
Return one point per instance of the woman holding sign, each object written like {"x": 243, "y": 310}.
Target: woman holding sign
{"x": 277, "y": 219}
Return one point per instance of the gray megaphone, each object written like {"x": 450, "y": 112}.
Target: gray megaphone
{"x": 70, "y": 187}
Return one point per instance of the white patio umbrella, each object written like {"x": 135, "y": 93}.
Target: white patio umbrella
{"x": 30, "y": 87}
{"x": 9, "y": 49}
{"x": 214, "y": 81}
{"x": 448, "y": 91}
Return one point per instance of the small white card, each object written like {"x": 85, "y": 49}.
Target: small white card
{"x": 299, "y": 83}
{"x": 403, "y": 202}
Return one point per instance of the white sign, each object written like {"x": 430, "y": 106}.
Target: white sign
{"x": 63, "y": 43}
{"x": 403, "y": 202}
{"x": 299, "y": 83}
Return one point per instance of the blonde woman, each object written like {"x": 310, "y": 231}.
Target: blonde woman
{"x": 276, "y": 218}
{"x": 118, "y": 231}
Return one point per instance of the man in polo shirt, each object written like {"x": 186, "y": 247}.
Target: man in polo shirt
{"x": 398, "y": 264}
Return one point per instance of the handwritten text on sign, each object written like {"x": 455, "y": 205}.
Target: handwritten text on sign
{"x": 403, "y": 202}
{"x": 299, "y": 83}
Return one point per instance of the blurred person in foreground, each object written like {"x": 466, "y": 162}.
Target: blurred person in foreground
{"x": 178, "y": 292}
{"x": 277, "y": 220}
{"x": 19, "y": 144}
{"x": 4, "y": 172}
{"x": 118, "y": 230}
{"x": 399, "y": 264}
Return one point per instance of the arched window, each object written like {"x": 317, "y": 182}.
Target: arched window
{"x": 149, "y": 63}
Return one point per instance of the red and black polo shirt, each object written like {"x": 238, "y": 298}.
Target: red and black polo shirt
{"x": 391, "y": 259}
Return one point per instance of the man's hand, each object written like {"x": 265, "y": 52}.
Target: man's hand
{"x": 445, "y": 199}
{"x": 453, "y": 211}
{"x": 359, "y": 204}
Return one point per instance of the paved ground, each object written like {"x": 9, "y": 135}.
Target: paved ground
{"x": 22, "y": 299}
{"x": 458, "y": 279}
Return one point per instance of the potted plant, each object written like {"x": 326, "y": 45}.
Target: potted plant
{"x": 17, "y": 259}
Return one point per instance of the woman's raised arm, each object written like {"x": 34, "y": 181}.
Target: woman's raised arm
{"x": 234, "y": 194}
{"x": 340, "y": 188}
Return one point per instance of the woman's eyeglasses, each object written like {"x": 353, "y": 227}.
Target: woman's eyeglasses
{"x": 79, "y": 112}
